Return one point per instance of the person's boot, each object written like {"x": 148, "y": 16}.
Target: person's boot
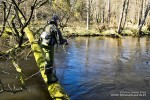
{"x": 51, "y": 77}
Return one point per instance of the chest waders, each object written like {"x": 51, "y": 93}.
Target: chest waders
{"x": 49, "y": 55}
{"x": 48, "y": 49}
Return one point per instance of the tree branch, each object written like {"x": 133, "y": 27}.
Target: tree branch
{"x": 12, "y": 90}
{"x": 5, "y": 17}
{"x": 28, "y": 21}
{"x": 14, "y": 27}
{"x": 19, "y": 70}
{"x": 41, "y": 3}
{"x": 13, "y": 1}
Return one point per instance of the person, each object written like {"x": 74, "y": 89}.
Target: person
{"x": 49, "y": 37}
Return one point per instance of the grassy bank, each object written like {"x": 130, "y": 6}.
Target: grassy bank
{"x": 79, "y": 29}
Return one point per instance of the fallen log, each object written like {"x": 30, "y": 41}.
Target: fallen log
{"x": 55, "y": 89}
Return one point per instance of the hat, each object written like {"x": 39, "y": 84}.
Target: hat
{"x": 55, "y": 18}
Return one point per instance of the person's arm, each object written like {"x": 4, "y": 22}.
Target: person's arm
{"x": 61, "y": 40}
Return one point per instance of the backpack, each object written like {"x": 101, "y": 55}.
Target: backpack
{"x": 49, "y": 36}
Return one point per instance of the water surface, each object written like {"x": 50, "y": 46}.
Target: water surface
{"x": 96, "y": 68}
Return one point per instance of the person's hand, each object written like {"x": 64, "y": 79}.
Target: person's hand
{"x": 64, "y": 41}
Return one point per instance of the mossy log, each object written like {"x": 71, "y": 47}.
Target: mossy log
{"x": 55, "y": 89}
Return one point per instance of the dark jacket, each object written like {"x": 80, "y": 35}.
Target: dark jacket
{"x": 52, "y": 35}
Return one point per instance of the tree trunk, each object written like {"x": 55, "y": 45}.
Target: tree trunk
{"x": 103, "y": 14}
{"x": 125, "y": 16}
{"x": 121, "y": 17}
{"x": 144, "y": 18}
{"x": 140, "y": 13}
{"x": 35, "y": 15}
{"x": 108, "y": 18}
{"x": 88, "y": 14}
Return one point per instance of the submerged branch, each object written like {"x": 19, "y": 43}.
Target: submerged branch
{"x": 18, "y": 69}
{"x": 9, "y": 89}
{"x": 8, "y": 53}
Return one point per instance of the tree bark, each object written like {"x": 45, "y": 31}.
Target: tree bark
{"x": 35, "y": 15}
{"x": 103, "y": 14}
{"x": 88, "y": 14}
{"x": 144, "y": 18}
{"x": 140, "y": 13}
{"x": 125, "y": 16}
{"x": 121, "y": 17}
{"x": 5, "y": 16}
{"x": 108, "y": 18}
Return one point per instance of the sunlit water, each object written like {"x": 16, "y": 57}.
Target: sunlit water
{"x": 91, "y": 68}
{"x": 97, "y": 68}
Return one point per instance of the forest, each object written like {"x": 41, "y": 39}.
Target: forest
{"x": 99, "y": 17}
{"x": 22, "y": 22}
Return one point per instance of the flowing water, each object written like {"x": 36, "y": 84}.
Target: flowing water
{"x": 102, "y": 68}
{"x": 91, "y": 68}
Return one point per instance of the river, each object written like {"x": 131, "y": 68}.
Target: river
{"x": 92, "y": 68}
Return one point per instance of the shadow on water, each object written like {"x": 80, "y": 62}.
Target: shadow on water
{"x": 95, "y": 68}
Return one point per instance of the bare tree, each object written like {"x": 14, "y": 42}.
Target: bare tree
{"x": 88, "y": 14}
{"x": 121, "y": 17}
{"x": 141, "y": 12}
{"x": 125, "y": 16}
{"x": 103, "y": 13}
{"x": 144, "y": 18}
{"x": 5, "y": 15}
{"x": 108, "y": 18}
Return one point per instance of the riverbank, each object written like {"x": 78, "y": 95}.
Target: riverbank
{"x": 79, "y": 29}
{"x": 110, "y": 32}
{"x": 96, "y": 30}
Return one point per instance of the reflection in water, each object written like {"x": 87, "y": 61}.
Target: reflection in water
{"x": 97, "y": 67}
